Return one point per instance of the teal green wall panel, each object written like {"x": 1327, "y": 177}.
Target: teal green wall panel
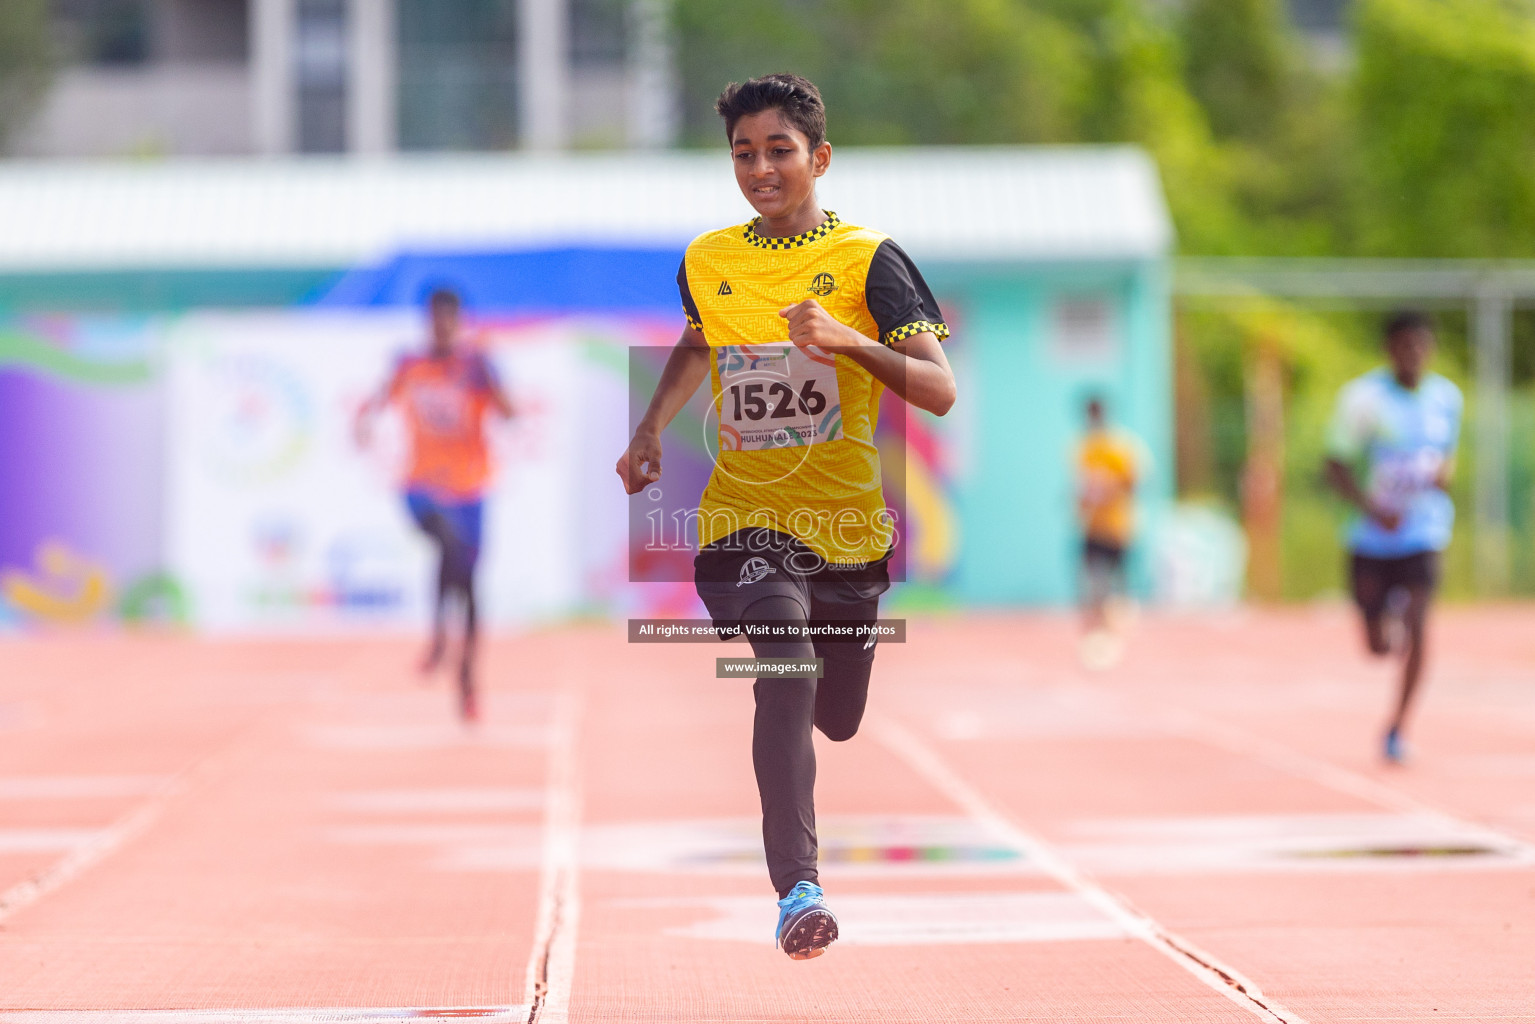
{"x": 1022, "y": 392}
{"x": 1019, "y": 415}
{"x": 156, "y": 290}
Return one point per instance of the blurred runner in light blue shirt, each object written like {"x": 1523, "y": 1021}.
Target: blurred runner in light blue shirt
{"x": 1390, "y": 453}
{"x": 1404, "y": 438}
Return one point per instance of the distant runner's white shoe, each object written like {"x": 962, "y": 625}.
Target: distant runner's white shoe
{"x": 1101, "y": 649}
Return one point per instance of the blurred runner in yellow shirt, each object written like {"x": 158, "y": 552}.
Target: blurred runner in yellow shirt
{"x": 1107, "y": 471}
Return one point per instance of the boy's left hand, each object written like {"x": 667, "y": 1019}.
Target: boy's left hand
{"x": 810, "y": 324}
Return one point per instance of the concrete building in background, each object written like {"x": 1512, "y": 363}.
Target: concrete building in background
{"x": 273, "y": 77}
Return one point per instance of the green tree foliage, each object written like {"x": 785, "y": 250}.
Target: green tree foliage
{"x": 1445, "y": 91}
{"x": 971, "y": 71}
{"x": 1240, "y": 66}
{"x": 894, "y": 71}
{"x": 1422, "y": 145}
{"x": 25, "y": 61}
{"x": 1280, "y": 122}
{"x": 1256, "y": 174}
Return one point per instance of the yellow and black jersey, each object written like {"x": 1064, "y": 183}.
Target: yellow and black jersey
{"x": 1107, "y": 468}
{"x": 796, "y": 425}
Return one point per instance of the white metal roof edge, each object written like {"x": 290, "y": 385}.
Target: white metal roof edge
{"x": 971, "y": 203}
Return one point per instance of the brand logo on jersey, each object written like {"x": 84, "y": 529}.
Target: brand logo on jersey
{"x": 823, "y": 284}
{"x": 754, "y": 569}
{"x": 724, "y": 289}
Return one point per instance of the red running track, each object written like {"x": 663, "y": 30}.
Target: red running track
{"x": 218, "y": 831}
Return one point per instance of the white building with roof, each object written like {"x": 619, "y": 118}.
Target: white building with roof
{"x": 981, "y": 203}
{"x": 1051, "y": 264}
{"x": 271, "y": 77}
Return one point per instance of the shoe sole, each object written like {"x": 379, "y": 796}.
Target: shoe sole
{"x": 808, "y": 935}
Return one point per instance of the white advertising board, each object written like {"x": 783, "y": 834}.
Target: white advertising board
{"x": 278, "y": 517}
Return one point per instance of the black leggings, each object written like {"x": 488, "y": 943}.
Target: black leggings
{"x": 782, "y": 751}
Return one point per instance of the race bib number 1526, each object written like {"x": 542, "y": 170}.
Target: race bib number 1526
{"x": 777, "y": 396}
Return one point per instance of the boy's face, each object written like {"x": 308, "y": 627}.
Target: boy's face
{"x": 444, "y": 326}
{"x": 1409, "y": 351}
{"x": 775, "y": 166}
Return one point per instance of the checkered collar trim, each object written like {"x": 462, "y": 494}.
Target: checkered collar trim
{"x": 815, "y": 234}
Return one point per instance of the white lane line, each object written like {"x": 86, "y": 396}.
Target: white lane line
{"x": 76, "y": 787}
{"x": 906, "y": 919}
{"x": 367, "y": 737}
{"x": 409, "y": 834}
{"x": 458, "y": 800}
{"x": 93, "y": 850}
{"x": 45, "y": 840}
{"x": 1290, "y": 761}
{"x": 317, "y": 1015}
{"x": 552, "y": 962}
{"x": 1207, "y": 969}
{"x": 109, "y": 840}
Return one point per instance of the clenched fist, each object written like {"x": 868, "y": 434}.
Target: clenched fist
{"x": 640, "y": 464}
{"x": 810, "y": 324}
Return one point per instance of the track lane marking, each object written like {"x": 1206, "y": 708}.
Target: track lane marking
{"x": 928, "y": 764}
{"x": 552, "y": 962}
{"x": 905, "y": 919}
{"x": 86, "y": 855}
{"x": 164, "y": 791}
{"x": 284, "y": 1015}
{"x": 106, "y": 841}
{"x": 1286, "y": 759}
{"x": 77, "y": 787}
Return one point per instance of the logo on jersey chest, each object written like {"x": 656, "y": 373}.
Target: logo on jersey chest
{"x": 754, "y": 569}
{"x": 823, "y": 284}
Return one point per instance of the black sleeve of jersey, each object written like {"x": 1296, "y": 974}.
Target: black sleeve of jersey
{"x": 898, "y": 299}
{"x": 689, "y": 307}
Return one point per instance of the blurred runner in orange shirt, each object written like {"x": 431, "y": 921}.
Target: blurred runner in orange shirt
{"x": 1107, "y": 471}
{"x": 444, "y": 395}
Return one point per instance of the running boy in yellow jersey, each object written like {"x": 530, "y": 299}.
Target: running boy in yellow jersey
{"x": 800, "y": 322}
{"x": 1107, "y": 472}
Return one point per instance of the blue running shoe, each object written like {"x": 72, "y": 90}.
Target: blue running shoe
{"x": 805, "y": 925}
{"x": 1395, "y": 749}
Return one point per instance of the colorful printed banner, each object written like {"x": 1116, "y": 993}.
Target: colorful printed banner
{"x": 81, "y": 472}
{"x": 278, "y": 516}
{"x": 204, "y": 468}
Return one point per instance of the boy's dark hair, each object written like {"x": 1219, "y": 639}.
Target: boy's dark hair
{"x": 440, "y": 297}
{"x": 1406, "y": 320}
{"x": 796, "y": 98}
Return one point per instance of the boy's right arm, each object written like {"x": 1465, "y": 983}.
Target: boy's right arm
{"x": 685, "y": 370}
{"x": 362, "y": 422}
{"x": 1345, "y": 445}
